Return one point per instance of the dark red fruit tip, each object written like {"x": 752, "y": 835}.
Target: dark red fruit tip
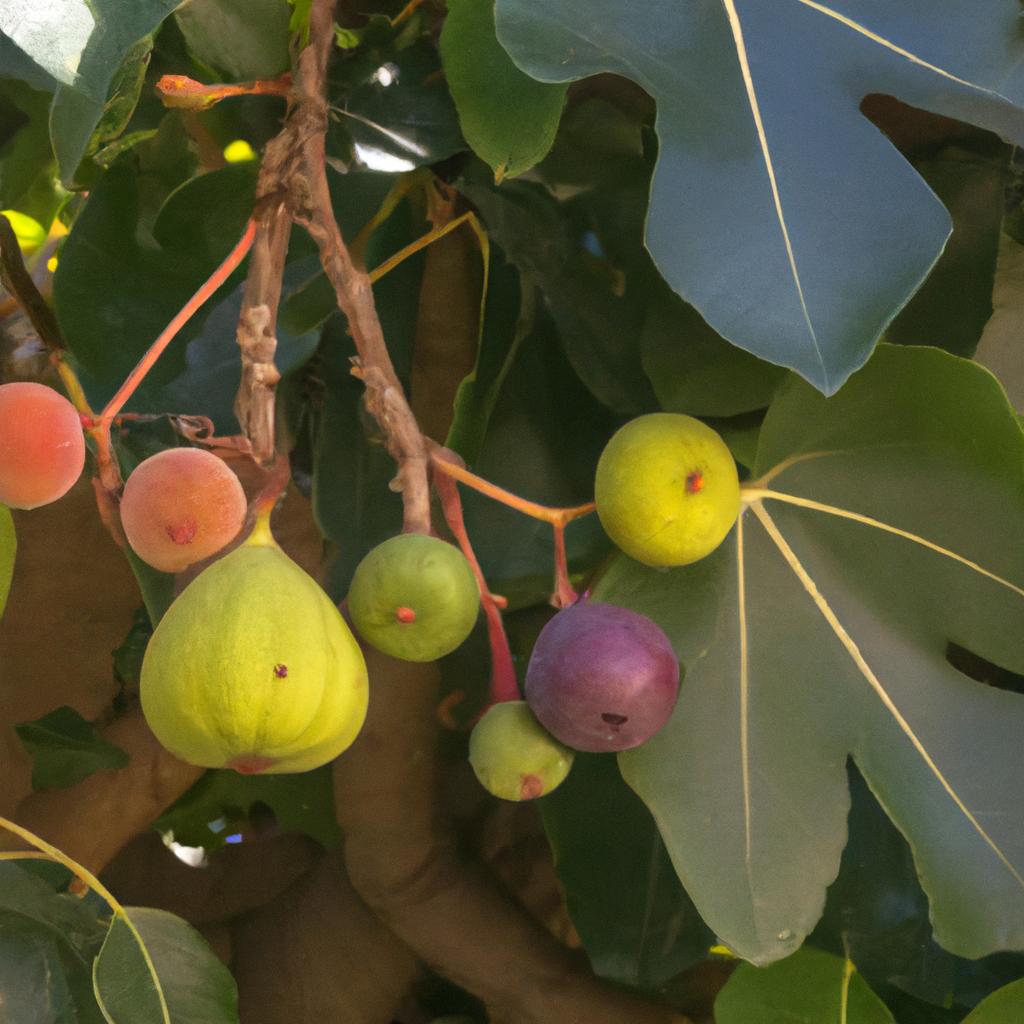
{"x": 614, "y": 719}
{"x": 405, "y": 615}
{"x": 695, "y": 483}
{"x": 531, "y": 787}
{"x": 183, "y": 532}
{"x": 250, "y": 764}
{"x": 281, "y": 671}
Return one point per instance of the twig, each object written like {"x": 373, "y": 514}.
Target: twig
{"x": 186, "y": 93}
{"x": 385, "y": 397}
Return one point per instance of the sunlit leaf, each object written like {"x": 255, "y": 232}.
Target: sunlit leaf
{"x": 776, "y": 201}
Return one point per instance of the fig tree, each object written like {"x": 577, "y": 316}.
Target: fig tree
{"x": 42, "y": 449}
{"x": 513, "y": 756}
{"x": 601, "y": 677}
{"x": 414, "y": 597}
{"x": 254, "y": 668}
{"x": 667, "y": 491}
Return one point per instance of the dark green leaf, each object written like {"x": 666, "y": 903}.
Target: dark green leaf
{"x": 400, "y": 115}
{"x": 508, "y": 118}
{"x": 301, "y": 803}
{"x": 94, "y": 41}
{"x": 128, "y": 657}
{"x": 25, "y": 152}
{"x": 1003, "y": 1007}
{"x": 33, "y": 981}
{"x": 882, "y": 527}
{"x": 758, "y": 119}
{"x": 65, "y": 749}
{"x": 637, "y": 924}
{"x": 240, "y": 39}
{"x": 191, "y": 986}
{"x": 809, "y": 987}
{"x": 955, "y": 302}
{"x": 114, "y": 293}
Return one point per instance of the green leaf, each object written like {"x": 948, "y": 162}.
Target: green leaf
{"x": 809, "y": 987}
{"x": 637, "y": 924}
{"x": 301, "y": 804}
{"x": 55, "y": 36}
{"x": 172, "y": 976}
{"x": 1005, "y": 1006}
{"x": 33, "y": 980}
{"x": 25, "y": 153}
{"x": 508, "y": 118}
{"x": 103, "y": 42}
{"x": 110, "y": 284}
{"x": 240, "y": 39}
{"x": 758, "y": 119}
{"x": 65, "y": 749}
{"x": 884, "y": 524}
{"x": 8, "y": 549}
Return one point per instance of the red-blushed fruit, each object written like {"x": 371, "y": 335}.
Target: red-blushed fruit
{"x": 42, "y": 449}
{"x": 602, "y": 678}
{"x": 181, "y": 506}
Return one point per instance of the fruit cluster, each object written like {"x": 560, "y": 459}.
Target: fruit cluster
{"x": 254, "y": 668}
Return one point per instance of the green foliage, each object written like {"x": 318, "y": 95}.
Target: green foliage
{"x": 238, "y": 39}
{"x": 507, "y": 118}
{"x": 809, "y": 986}
{"x": 8, "y": 550}
{"x": 65, "y": 749}
{"x": 757, "y": 109}
{"x": 822, "y": 625}
{"x": 1002, "y": 1007}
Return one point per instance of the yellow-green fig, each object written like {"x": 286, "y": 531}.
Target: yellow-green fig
{"x": 513, "y": 756}
{"x": 254, "y": 668}
{"x": 667, "y": 491}
{"x": 414, "y": 597}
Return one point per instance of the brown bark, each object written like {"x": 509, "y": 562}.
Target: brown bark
{"x": 315, "y": 953}
{"x": 402, "y": 860}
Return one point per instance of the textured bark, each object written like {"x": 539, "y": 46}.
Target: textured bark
{"x": 316, "y": 953}
{"x": 403, "y": 861}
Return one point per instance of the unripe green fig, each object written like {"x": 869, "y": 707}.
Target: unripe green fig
{"x": 513, "y": 756}
{"x": 254, "y": 668}
{"x": 667, "y": 491}
{"x": 414, "y": 597}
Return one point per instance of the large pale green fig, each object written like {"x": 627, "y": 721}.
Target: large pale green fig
{"x": 254, "y": 668}
{"x": 414, "y": 597}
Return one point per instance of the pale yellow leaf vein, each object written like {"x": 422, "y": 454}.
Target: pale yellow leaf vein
{"x": 868, "y": 673}
{"x": 741, "y": 593}
{"x": 844, "y": 991}
{"x": 755, "y": 108}
{"x": 888, "y": 44}
{"x": 756, "y": 495}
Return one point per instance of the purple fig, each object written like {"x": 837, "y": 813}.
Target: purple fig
{"x": 602, "y": 678}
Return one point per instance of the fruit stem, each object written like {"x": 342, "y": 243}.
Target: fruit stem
{"x": 186, "y": 93}
{"x": 504, "y": 685}
{"x": 100, "y": 431}
{"x": 264, "y": 502}
{"x": 557, "y": 517}
{"x": 564, "y": 593}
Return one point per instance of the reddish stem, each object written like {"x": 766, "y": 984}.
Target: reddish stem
{"x": 504, "y": 685}
{"x": 564, "y": 594}
{"x": 101, "y": 430}
{"x": 184, "y": 92}
{"x": 556, "y": 516}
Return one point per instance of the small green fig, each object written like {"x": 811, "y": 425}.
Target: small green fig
{"x": 254, "y": 668}
{"x": 414, "y": 597}
{"x": 667, "y": 491}
{"x": 513, "y": 756}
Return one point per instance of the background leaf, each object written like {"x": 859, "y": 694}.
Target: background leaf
{"x": 810, "y": 987}
{"x": 1003, "y": 1007}
{"x": 65, "y": 749}
{"x": 239, "y": 39}
{"x": 758, "y": 108}
{"x": 508, "y": 118}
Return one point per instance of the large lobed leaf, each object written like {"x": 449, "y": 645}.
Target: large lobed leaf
{"x": 884, "y": 523}
{"x": 777, "y": 209}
